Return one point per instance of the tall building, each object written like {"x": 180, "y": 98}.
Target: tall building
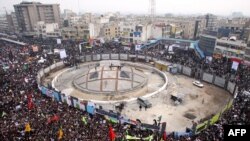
{"x": 29, "y": 13}
{"x": 4, "y": 24}
{"x": 207, "y": 44}
{"x": 15, "y": 23}
{"x": 211, "y": 21}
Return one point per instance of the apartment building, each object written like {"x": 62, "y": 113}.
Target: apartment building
{"x": 29, "y": 13}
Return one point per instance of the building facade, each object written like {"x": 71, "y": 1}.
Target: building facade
{"x": 211, "y": 22}
{"x": 230, "y": 49}
{"x": 207, "y": 44}
{"x": 247, "y": 52}
{"x": 47, "y": 30}
{"x": 29, "y": 13}
{"x": 4, "y": 27}
{"x": 111, "y": 31}
{"x": 76, "y": 32}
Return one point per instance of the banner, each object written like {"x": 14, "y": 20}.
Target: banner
{"x": 63, "y": 53}
{"x": 58, "y": 41}
{"x": 88, "y": 46}
{"x": 80, "y": 48}
{"x": 56, "y": 96}
{"x": 82, "y": 105}
{"x": 56, "y": 50}
{"x": 137, "y": 47}
{"x": 201, "y": 126}
{"x": 235, "y": 65}
{"x": 126, "y": 48}
{"x": 91, "y": 107}
{"x": 214, "y": 119}
{"x": 35, "y": 48}
{"x": 76, "y": 103}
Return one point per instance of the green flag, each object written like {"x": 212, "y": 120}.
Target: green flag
{"x": 113, "y": 120}
{"x": 3, "y": 114}
{"x": 84, "y": 120}
{"x": 149, "y": 138}
{"x": 128, "y": 137}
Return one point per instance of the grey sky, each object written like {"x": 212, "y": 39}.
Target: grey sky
{"x": 221, "y": 7}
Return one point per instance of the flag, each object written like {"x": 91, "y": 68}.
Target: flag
{"x": 11, "y": 55}
{"x": 27, "y": 127}
{"x": 111, "y": 134}
{"x": 3, "y": 114}
{"x": 128, "y": 137}
{"x": 30, "y": 102}
{"x": 164, "y": 136}
{"x": 60, "y": 134}
{"x": 53, "y": 119}
{"x": 159, "y": 118}
{"x": 149, "y": 138}
{"x": 84, "y": 120}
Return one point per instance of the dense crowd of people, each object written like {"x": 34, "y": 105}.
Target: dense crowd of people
{"x": 25, "y": 114}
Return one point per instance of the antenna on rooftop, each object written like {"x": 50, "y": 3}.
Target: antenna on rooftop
{"x": 152, "y": 9}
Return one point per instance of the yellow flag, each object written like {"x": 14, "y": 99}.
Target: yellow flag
{"x": 60, "y": 134}
{"x": 27, "y": 127}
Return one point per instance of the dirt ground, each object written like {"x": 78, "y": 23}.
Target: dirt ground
{"x": 198, "y": 103}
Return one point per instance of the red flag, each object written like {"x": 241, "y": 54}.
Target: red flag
{"x": 164, "y": 136}
{"x": 111, "y": 134}
{"x": 30, "y": 102}
{"x": 53, "y": 119}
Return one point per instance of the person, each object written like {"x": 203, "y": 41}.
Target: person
{"x": 140, "y": 107}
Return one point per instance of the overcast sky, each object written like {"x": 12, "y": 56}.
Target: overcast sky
{"x": 220, "y": 7}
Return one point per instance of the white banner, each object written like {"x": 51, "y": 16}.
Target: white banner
{"x": 235, "y": 65}
{"x": 80, "y": 48}
{"x": 126, "y": 48}
{"x": 63, "y": 54}
{"x": 137, "y": 47}
{"x": 58, "y": 41}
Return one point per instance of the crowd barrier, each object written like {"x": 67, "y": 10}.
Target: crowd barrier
{"x": 90, "y": 107}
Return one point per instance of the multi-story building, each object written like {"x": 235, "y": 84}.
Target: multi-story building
{"x": 15, "y": 23}
{"x": 230, "y": 48}
{"x": 47, "y": 30}
{"x": 29, "y": 13}
{"x": 207, "y": 44}
{"x": 111, "y": 31}
{"x": 4, "y": 26}
{"x": 247, "y": 52}
{"x": 211, "y": 22}
{"x": 76, "y": 32}
{"x": 127, "y": 33}
{"x": 68, "y": 14}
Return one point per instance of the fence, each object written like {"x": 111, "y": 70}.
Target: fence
{"x": 83, "y": 105}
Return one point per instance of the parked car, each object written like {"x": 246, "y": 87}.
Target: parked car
{"x": 144, "y": 102}
{"x": 198, "y": 84}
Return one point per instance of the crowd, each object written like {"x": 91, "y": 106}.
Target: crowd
{"x": 25, "y": 114}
